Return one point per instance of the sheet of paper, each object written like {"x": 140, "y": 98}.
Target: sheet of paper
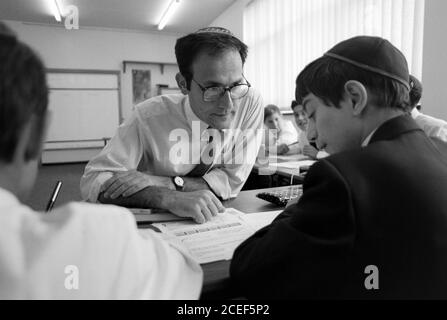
{"x": 214, "y": 240}
{"x": 217, "y": 239}
{"x": 157, "y": 217}
{"x": 295, "y": 164}
{"x": 144, "y": 216}
{"x": 292, "y": 157}
{"x": 259, "y": 220}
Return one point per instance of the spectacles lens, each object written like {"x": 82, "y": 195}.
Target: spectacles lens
{"x": 239, "y": 91}
{"x": 213, "y": 93}
{"x": 236, "y": 92}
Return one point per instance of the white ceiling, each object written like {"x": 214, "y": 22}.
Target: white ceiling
{"x": 141, "y": 15}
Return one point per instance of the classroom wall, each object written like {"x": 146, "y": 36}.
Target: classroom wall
{"x": 233, "y": 18}
{"x": 434, "y": 68}
{"x": 94, "y": 48}
{"x": 98, "y": 49}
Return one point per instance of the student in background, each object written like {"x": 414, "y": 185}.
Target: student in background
{"x": 372, "y": 220}
{"x": 433, "y": 127}
{"x": 78, "y": 251}
{"x": 303, "y": 146}
{"x": 140, "y": 166}
{"x": 279, "y": 132}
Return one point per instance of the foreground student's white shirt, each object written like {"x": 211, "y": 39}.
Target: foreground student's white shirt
{"x": 114, "y": 259}
{"x": 433, "y": 127}
{"x": 146, "y": 139}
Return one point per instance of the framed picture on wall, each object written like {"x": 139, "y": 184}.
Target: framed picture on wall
{"x": 141, "y": 85}
{"x": 141, "y": 81}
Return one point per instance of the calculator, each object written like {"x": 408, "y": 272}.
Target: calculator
{"x": 282, "y": 197}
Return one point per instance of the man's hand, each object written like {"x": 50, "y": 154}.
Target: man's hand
{"x": 282, "y": 149}
{"x": 127, "y": 183}
{"x": 200, "y": 205}
{"x": 310, "y": 151}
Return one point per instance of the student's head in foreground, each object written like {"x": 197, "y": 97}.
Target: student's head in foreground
{"x": 356, "y": 86}
{"x": 272, "y": 117}
{"x": 415, "y": 91}
{"x": 300, "y": 115}
{"x": 23, "y": 113}
{"x": 210, "y": 60}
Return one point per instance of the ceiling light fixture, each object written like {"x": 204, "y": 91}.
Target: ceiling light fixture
{"x": 168, "y": 13}
{"x": 55, "y": 9}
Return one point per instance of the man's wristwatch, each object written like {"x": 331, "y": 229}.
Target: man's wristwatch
{"x": 179, "y": 183}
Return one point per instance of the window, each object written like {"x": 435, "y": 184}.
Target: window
{"x": 284, "y": 36}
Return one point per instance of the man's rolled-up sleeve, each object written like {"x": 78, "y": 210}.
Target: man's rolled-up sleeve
{"x": 122, "y": 153}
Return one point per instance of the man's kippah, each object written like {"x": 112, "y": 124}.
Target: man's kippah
{"x": 215, "y": 30}
{"x": 373, "y": 54}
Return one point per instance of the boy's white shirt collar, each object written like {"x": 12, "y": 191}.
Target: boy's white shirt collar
{"x": 368, "y": 138}
{"x": 415, "y": 113}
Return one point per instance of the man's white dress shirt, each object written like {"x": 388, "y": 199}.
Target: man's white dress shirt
{"x": 160, "y": 136}
{"x": 87, "y": 251}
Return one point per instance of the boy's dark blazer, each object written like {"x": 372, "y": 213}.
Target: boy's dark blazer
{"x": 383, "y": 205}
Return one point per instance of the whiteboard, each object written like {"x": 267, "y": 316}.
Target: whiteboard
{"x": 84, "y": 106}
{"x": 82, "y": 115}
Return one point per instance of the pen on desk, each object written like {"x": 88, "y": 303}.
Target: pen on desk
{"x": 54, "y": 196}
{"x": 292, "y": 144}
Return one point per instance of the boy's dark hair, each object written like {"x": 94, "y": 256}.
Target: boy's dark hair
{"x": 373, "y": 61}
{"x": 326, "y": 77}
{"x": 415, "y": 91}
{"x": 212, "y": 41}
{"x": 23, "y": 94}
{"x": 270, "y": 110}
{"x": 293, "y": 104}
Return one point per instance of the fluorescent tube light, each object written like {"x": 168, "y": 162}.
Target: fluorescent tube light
{"x": 55, "y": 10}
{"x": 168, "y": 13}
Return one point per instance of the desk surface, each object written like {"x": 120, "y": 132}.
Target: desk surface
{"x": 216, "y": 284}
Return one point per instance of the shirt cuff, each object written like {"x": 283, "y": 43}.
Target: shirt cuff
{"x": 218, "y": 182}
{"x": 97, "y": 184}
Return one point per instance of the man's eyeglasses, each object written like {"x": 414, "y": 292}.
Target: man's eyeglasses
{"x": 214, "y": 93}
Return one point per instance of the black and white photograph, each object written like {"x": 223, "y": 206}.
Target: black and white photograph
{"x": 243, "y": 153}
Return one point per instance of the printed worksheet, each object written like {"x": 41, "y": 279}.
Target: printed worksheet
{"x": 214, "y": 240}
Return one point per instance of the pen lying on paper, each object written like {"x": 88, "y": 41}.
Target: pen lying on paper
{"x": 54, "y": 196}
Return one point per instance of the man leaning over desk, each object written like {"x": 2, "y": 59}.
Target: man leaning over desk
{"x": 147, "y": 165}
